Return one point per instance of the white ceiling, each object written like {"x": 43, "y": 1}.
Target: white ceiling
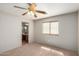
{"x": 52, "y": 9}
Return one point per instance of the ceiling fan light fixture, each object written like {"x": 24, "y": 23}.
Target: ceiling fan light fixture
{"x": 31, "y": 10}
{"x": 30, "y": 13}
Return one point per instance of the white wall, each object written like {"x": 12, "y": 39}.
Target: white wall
{"x": 10, "y": 31}
{"x": 78, "y": 33}
{"x": 67, "y": 32}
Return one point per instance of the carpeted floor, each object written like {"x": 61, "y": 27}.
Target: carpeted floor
{"x": 38, "y": 50}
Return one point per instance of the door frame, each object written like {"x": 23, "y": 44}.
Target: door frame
{"x": 22, "y": 29}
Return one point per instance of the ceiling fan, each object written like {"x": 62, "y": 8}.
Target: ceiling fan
{"x": 31, "y": 8}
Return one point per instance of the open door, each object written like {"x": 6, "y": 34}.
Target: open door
{"x": 25, "y": 31}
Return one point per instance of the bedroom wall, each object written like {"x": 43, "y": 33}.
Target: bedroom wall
{"x": 67, "y": 37}
{"x": 10, "y": 31}
{"x": 78, "y": 33}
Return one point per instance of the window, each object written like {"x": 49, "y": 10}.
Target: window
{"x": 54, "y": 28}
{"x": 51, "y": 28}
{"x": 46, "y": 28}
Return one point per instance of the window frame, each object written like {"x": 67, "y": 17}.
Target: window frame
{"x": 42, "y": 27}
{"x": 50, "y": 28}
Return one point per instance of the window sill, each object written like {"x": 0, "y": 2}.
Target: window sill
{"x": 52, "y": 34}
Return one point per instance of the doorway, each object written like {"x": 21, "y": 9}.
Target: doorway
{"x": 25, "y": 31}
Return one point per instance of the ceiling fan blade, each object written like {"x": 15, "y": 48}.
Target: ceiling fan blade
{"x": 29, "y": 4}
{"x": 24, "y": 13}
{"x": 19, "y": 7}
{"x": 43, "y": 12}
{"x": 35, "y": 15}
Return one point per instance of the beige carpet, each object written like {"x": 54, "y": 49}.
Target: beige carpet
{"x": 38, "y": 50}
